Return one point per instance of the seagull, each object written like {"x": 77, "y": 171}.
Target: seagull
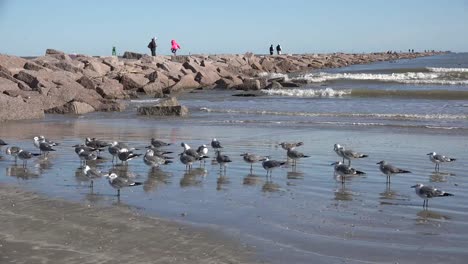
{"x": 25, "y": 156}
{"x": 96, "y": 143}
{"x": 348, "y": 154}
{"x": 187, "y": 160}
{"x": 251, "y": 159}
{"x": 191, "y": 152}
{"x": 290, "y": 145}
{"x": 118, "y": 182}
{"x": 216, "y": 145}
{"x": 202, "y": 151}
{"x": 295, "y": 155}
{"x": 50, "y": 142}
{"x": 92, "y": 174}
{"x": 86, "y": 155}
{"x": 13, "y": 151}
{"x": 426, "y": 192}
{"x": 389, "y": 169}
{"x": 437, "y": 159}
{"x": 115, "y": 147}
{"x": 269, "y": 165}
{"x": 125, "y": 155}
{"x": 222, "y": 160}
{"x": 344, "y": 170}
{"x": 42, "y": 145}
{"x": 158, "y": 143}
{"x": 153, "y": 160}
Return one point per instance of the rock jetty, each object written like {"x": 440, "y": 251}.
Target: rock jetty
{"x": 78, "y": 84}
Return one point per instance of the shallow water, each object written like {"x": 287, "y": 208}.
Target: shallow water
{"x": 301, "y": 215}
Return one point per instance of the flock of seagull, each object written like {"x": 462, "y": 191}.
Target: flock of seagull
{"x": 156, "y": 156}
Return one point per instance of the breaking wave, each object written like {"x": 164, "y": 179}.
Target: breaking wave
{"x": 406, "y": 78}
{"x": 428, "y": 75}
{"x": 327, "y": 92}
{"x": 388, "y": 116}
{"x": 447, "y": 69}
{"x": 332, "y": 93}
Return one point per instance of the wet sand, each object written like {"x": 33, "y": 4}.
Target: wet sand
{"x": 35, "y": 229}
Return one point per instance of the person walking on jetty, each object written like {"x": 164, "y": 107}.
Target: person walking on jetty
{"x": 278, "y": 49}
{"x": 152, "y": 46}
{"x": 174, "y": 47}
{"x": 271, "y": 49}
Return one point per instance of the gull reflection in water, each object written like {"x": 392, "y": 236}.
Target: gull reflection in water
{"x": 270, "y": 186}
{"x": 252, "y": 179}
{"x": 21, "y": 172}
{"x": 222, "y": 181}
{"x": 191, "y": 177}
{"x": 391, "y": 197}
{"x": 295, "y": 175}
{"x": 343, "y": 194}
{"x": 430, "y": 217}
{"x": 438, "y": 176}
{"x": 156, "y": 178}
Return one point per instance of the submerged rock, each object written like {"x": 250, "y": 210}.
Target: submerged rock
{"x": 166, "y": 107}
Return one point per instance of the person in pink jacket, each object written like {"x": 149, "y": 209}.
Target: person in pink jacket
{"x": 174, "y": 46}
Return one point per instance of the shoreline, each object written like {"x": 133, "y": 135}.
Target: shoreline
{"x": 91, "y": 234}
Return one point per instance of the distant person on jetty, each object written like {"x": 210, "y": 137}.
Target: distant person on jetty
{"x": 278, "y": 49}
{"x": 152, "y": 46}
{"x": 174, "y": 47}
{"x": 272, "y": 50}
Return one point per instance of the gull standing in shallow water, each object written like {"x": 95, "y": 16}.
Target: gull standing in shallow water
{"x": 426, "y": 192}
{"x": 25, "y": 156}
{"x": 153, "y": 160}
{"x": 347, "y": 154}
{"x": 251, "y": 159}
{"x": 43, "y": 146}
{"x": 13, "y": 151}
{"x": 92, "y": 174}
{"x": 118, "y": 182}
{"x": 295, "y": 155}
{"x": 216, "y": 145}
{"x": 344, "y": 171}
{"x": 437, "y": 159}
{"x": 269, "y": 165}
{"x": 389, "y": 170}
{"x": 222, "y": 160}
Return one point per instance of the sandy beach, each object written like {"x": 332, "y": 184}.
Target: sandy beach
{"x": 35, "y": 229}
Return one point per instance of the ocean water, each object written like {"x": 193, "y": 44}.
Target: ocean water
{"x": 394, "y": 111}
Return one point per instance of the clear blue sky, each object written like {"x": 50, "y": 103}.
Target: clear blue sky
{"x": 28, "y": 27}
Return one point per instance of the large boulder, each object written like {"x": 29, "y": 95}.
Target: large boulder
{"x": 155, "y": 89}
{"x": 166, "y": 107}
{"x": 33, "y": 66}
{"x": 98, "y": 67}
{"x": 18, "y": 108}
{"x": 87, "y": 83}
{"x": 111, "y": 89}
{"x": 12, "y": 63}
{"x": 59, "y": 55}
{"x": 77, "y": 108}
{"x": 133, "y": 81}
{"x": 132, "y": 55}
{"x": 250, "y": 84}
{"x": 187, "y": 82}
{"x": 206, "y": 77}
{"x": 6, "y": 84}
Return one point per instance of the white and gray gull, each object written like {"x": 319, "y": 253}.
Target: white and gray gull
{"x": 427, "y": 192}
{"x": 437, "y": 159}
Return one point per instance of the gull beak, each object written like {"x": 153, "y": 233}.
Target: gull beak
{"x": 334, "y": 163}
{"x": 429, "y": 154}
{"x": 414, "y": 186}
